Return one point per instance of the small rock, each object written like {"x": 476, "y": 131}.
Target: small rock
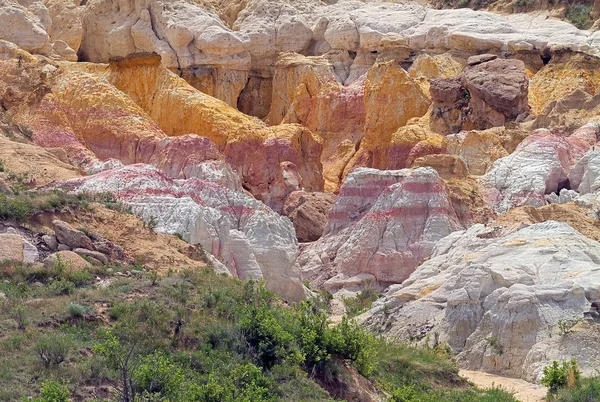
{"x": 93, "y": 254}
{"x": 2, "y": 296}
{"x": 73, "y": 238}
{"x": 481, "y": 58}
{"x": 63, "y": 247}
{"x": 50, "y": 241}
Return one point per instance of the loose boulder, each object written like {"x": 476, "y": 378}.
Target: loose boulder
{"x": 71, "y": 237}
{"x": 308, "y": 212}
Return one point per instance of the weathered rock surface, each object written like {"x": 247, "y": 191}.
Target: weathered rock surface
{"x": 249, "y": 238}
{"x": 17, "y": 249}
{"x": 69, "y": 259}
{"x": 69, "y": 236}
{"x": 308, "y": 212}
{"x": 126, "y": 103}
{"x": 96, "y": 255}
{"x": 383, "y": 224}
{"x": 540, "y": 165}
{"x": 513, "y": 287}
{"x": 50, "y": 27}
{"x": 488, "y": 93}
{"x": 478, "y": 149}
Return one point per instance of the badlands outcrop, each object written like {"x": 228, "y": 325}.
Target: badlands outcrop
{"x": 512, "y": 288}
{"x": 446, "y": 157}
{"x": 382, "y": 225}
{"x": 249, "y": 239}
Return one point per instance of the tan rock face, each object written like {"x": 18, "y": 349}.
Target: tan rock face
{"x": 566, "y": 72}
{"x": 478, "y": 149}
{"x": 17, "y": 249}
{"x": 11, "y": 248}
{"x": 308, "y": 212}
{"x": 487, "y": 94}
{"x": 391, "y": 99}
{"x": 72, "y": 261}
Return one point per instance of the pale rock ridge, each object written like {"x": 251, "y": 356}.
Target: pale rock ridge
{"x": 195, "y": 39}
{"x": 50, "y": 27}
{"x": 17, "y": 249}
{"x": 249, "y": 238}
{"x": 540, "y": 165}
{"x": 383, "y": 224}
{"x": 512, "y": 286}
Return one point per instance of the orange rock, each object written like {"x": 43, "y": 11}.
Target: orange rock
{"x": 478, "y": 149}
{"x": 565, "y": 72}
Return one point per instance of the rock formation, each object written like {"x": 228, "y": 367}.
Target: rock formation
{"x": 250, "y": 239}
{"x": 448, "y": 156}
{"x": 513, "y": 288}
{"x": 382, "y": 225}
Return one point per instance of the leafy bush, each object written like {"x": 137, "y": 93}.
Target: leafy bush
{"x": 495, "y": 345}
{"x": 54, "y": 391}
{"x": 77, "y": 310}
{"x": 267, "y": 338}
{"x": 587, "y": 390}
{"x": 360, "y": 303}
{"x": 566, "y": 326}
{"x": 18, "y": 209}
{"x": 156, "y": 374}
{"x": 61, "y": 287}
{"x": 52, "y": 349}
{"x": 557, "y": 376}
{"x": 245, "y": 383}
{"x": 27, "y": 132}
{"x": 19, "y": 314}
{"x": 579, "y": 15}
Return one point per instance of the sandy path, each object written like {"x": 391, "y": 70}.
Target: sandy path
{"x": 524, "y": 391}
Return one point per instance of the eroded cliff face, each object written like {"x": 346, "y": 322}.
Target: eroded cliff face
{"x": 446, "y": 157}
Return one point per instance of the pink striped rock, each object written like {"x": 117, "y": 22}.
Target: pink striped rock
{"x": 383, "y": 224}
{"x": 245, "y": 235}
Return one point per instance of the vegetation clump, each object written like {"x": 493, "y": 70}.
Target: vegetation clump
{"x": 198, "y": 336}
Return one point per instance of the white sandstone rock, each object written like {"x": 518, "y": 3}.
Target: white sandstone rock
{"x": 513, "y": 288}
{"x": 246, "y": 236}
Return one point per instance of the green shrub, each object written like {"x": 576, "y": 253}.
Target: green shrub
{"x": 267, "y": 338}
{"x": 361, "y": 303}
{"x": 52, "y": 349}
{"x": 18, "y": 209}
{"x": 53, "y": 391}
{"x": 156, "y": 374}
{"x": 77, "y": 310}
{"x": 495, "y": 345}
{"x": 587, "y": 390}
{"x": 245, "y": 383}
{"x": 61, "y": 287}
{"x": 566, "y": 326}
{"x": 557, "y": 376}
{"x": 79, "y": 278}
{"x": 19, "y": 314}
{"x": 356, "y": 344}
{"x": 27, "y": 132}
{"x": 579, "y": 15}
{"x": 151, "y": 222}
